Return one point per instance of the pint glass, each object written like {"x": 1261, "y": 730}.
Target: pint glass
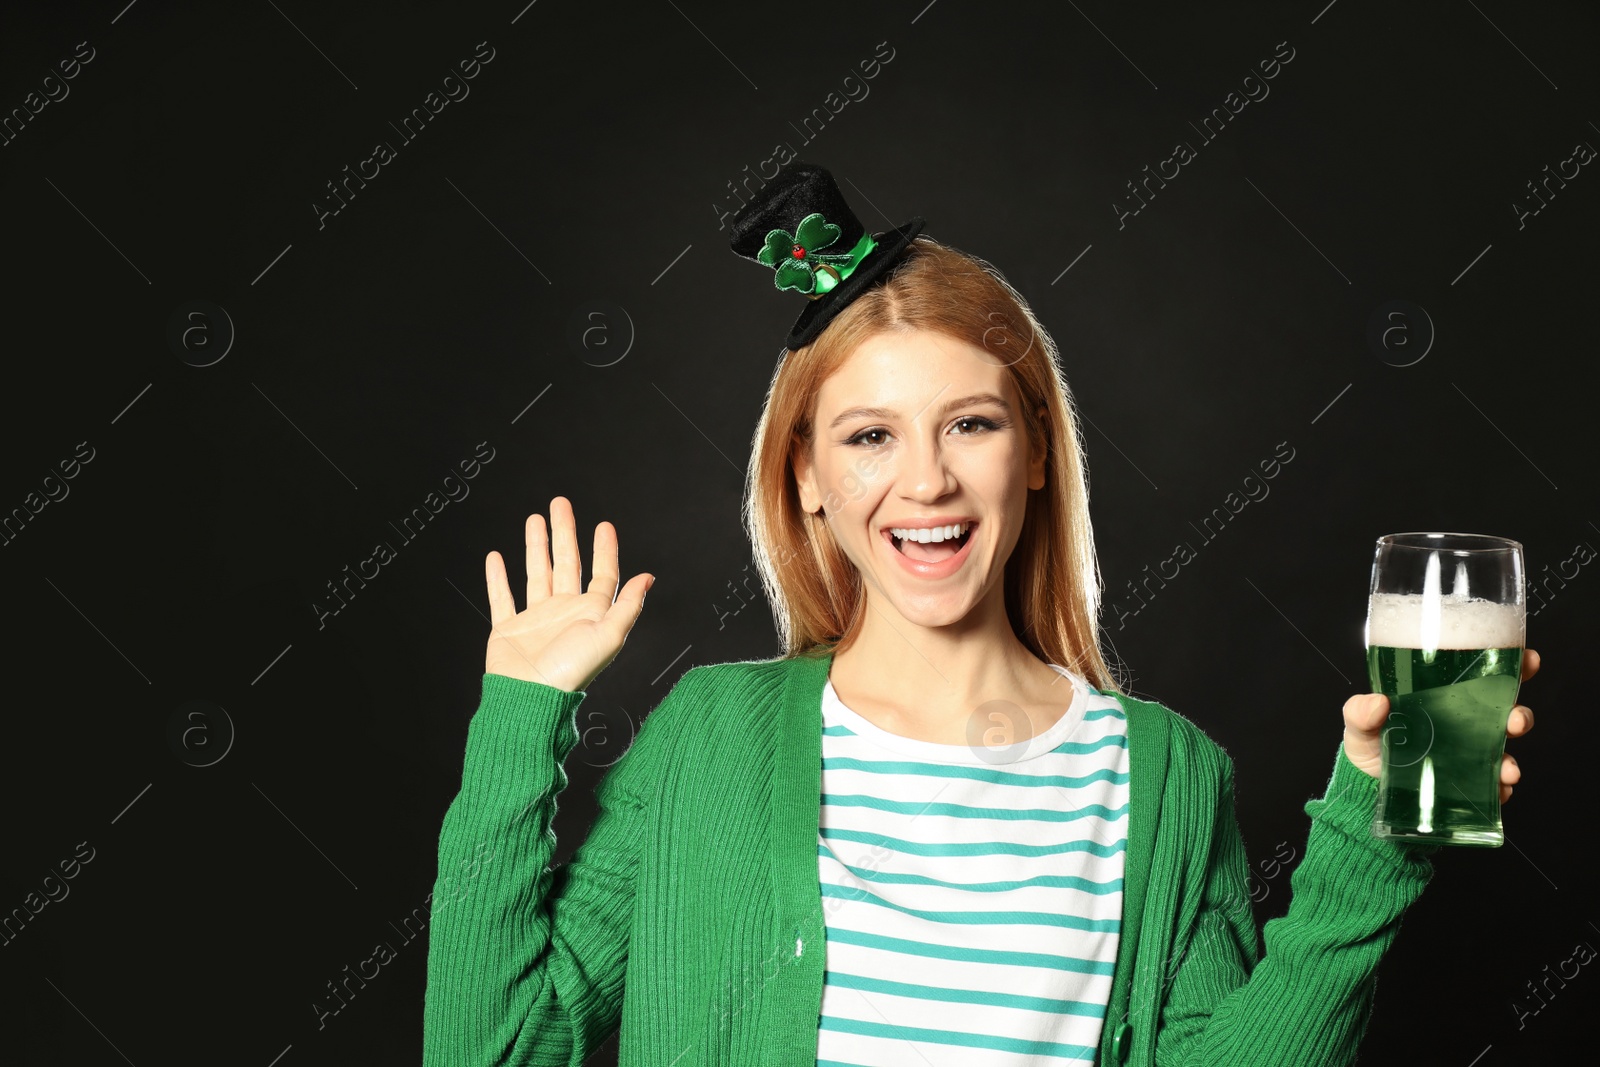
{"x": 1444, "y": 635}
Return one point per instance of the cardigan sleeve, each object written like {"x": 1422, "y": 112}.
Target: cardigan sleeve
{"x": 526, "y": 960}
{"x": 1306, "y": 1003}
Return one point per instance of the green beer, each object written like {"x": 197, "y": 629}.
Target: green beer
{"x": 1451, "y": 683}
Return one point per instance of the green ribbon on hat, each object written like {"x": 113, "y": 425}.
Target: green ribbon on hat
{"x": 797, "y": 262}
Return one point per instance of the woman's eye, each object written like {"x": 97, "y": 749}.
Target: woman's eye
{"x": 857, "y": 439}
{"x": 978, "y": 420}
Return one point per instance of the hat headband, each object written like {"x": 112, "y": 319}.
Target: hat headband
{"x": 800, "y": 227}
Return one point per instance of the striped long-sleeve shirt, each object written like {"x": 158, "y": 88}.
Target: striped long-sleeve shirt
{"x": 972, "y": 893}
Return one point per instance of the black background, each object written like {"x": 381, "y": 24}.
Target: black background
{"x": 591, "y": 162}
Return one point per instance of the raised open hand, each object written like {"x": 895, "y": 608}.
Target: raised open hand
{"x": 563, "y": 638}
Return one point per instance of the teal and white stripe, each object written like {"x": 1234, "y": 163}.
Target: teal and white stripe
{"x": 972, "y": 905}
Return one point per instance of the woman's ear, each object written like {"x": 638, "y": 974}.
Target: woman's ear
{"x": 1038, "y": 452}
{"x": 805, "y": 480}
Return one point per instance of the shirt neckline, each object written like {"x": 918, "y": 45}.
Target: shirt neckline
{"x": 940, "y": 752}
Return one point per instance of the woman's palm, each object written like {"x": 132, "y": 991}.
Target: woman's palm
{"x": 565, "y": 636}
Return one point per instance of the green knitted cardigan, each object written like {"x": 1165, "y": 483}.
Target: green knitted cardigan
{"x": 691, "y": 915}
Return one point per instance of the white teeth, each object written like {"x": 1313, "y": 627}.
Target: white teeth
{"x": 935, "y": 534}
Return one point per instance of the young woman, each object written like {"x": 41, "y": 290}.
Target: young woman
{"x": 932, "y": 831}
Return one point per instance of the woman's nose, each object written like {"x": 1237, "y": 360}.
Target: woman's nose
{"x": 925, "y": 471}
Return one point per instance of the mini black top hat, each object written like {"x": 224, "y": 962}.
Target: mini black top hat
{"x": 799, "y": 226}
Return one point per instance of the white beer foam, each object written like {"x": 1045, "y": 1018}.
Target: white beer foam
{"x": 1397, "y": 620}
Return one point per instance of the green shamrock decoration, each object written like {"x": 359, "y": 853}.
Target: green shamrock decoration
{"x": 795, "y": 257}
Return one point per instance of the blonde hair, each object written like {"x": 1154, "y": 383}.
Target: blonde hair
{"x": 1052, "y": 580}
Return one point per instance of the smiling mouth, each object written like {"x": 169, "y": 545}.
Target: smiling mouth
{"x": 931, "y": 551}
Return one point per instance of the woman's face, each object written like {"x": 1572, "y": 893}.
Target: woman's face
{"x": 914, "y": 430}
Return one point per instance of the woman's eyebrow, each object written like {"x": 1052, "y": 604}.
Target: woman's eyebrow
{"x": 887, "y": 413}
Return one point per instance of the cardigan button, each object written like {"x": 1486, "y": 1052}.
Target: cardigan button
{"x": 1122, "y": 1043}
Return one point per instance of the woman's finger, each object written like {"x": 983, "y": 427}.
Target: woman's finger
{"x": 538, "y": 558}
{"x": 1366, "y": 712}
{"x": 564, "y": 540}
{"x": 501, "y": 606}
{"x": 622, "y": 614}
{"x": 1530, "y": 663}
{"x": 604, "y": 579}
{"x": 1510, "y": 770}
{"x": 1520, "y": 722}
